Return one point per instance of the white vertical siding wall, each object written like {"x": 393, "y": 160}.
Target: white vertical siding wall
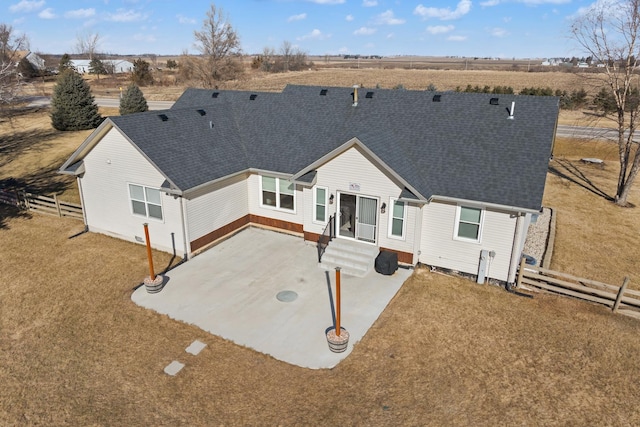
{"x": 255, "y": 209}
{"x": 110, "y": 167}
{"x": 353, "y": 166}
{"x": 222, "y": 204}
{"x": 440, "y": 249}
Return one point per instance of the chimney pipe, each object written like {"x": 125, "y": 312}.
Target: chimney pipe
{"x": 355, "y": 95}
{"x": 513, "y": 107}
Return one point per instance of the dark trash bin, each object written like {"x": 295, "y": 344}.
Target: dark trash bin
{"x": 386, "y": 262}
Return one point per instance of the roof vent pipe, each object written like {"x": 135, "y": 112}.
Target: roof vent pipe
{"x": 355, "y": 95}
{"x": 513, "y": 107}
{"x": 210, "y": 124}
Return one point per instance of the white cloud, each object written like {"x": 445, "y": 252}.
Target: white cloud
{"x": 445, "y": 13}
{"x": 536, "y": 2}
{"x": 26, "y": 6}
{"x": 390, "y": 35}
{"x": 298, "y": 17}
{"x": 387, "y": 18}
{"x": 369, "y": 3}
{"x": 147, "y": 38}
{"x": 123, "y": 15}
{"x": 507, "y": 19}
{"x": 498, "y": 32}
{"x": 349, "y": 18}
{"x": 457, "y": 38}
{"x": 185, "y": 20}
{"x": 364, "y": 31}
{"x": 343, "y": 49}
{"x": 327, "y": 1}
{"x": 440, "y": 29}
{"x": 489, "y": 3}
{"x": 315, "y": 35}
{"x": 47, "y": 14}
{"x": 80, "y": 13}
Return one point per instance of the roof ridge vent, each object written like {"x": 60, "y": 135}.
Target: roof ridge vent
{"x": 253, "y": 96}
{"x": 163, "y": 117}
{"x": 201, "y": 112}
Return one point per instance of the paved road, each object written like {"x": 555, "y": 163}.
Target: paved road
{"x": 44, "y": 101}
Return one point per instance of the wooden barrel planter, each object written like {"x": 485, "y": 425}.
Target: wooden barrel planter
{"x": 154, "y": 286}
{"x": 337, "y": 344}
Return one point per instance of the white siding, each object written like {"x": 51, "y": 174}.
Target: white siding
{"x": 110, "y": 167}
{"x": 222, "y": 204}
{"x": 354, "y": 167}
{"x": 268, "y": 212}
{"x": 440, "y": 249}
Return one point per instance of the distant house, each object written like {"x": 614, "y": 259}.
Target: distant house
{"x": 441, "y": 178}
{"x": 36, "y": 61}
{"x": 116, "y": 66}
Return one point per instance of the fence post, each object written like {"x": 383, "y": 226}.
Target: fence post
{"x": 620, "y": 292}
{"x": 520, "y": 272}
{"x": 26, "y": 200}
{"x": 57, "y": 202}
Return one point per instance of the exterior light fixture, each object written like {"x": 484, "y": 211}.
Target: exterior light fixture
{"x": 331, "y": 199}
{"x": 383, "y": 208}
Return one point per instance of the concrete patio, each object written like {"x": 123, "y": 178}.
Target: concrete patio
{"x": 230, "y": 291}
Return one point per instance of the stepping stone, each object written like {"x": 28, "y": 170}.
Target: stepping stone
{"x": 195, "y": 347}
{"x": 173, "y": 368}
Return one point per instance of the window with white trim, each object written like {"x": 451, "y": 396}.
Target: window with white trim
{"x": 468, "y": 223}
{"x": 145, "y": 201}
{"x": 397, "y": 218}
{"x": 277, "y": 193}
{"x": 320, "y": 201}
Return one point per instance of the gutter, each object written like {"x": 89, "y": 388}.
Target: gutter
{"x": 514, "y": 209}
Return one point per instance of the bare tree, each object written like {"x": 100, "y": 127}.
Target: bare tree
{"x": 10, "y": 83}
{"x": 219, "y": 44}
{"x": 611, "y": 35}
{"x": 87, "y": 44}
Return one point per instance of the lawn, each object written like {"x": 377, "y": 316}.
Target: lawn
{"x": 74, "y": 349}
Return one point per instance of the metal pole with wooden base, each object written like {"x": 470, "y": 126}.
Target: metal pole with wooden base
{"x": 152, "y": 283}
{"x": 338, "y": 301}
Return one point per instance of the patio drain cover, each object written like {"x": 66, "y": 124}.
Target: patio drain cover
{"x": 286, "y": 296}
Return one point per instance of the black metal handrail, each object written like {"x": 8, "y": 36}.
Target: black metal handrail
{"x": 327, "y": 235}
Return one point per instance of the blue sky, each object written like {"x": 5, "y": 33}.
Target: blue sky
{"x": 486, "y": 28}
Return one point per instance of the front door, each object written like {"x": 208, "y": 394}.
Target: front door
{"x": 357, "y": 217}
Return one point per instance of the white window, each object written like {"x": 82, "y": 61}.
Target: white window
{"x": 397, "y": 218}
{"x": 468, "y": 223}
{"x": 145, "y": 201}
{"x": 277, "y": 193}
{"x": 320, "y": 201}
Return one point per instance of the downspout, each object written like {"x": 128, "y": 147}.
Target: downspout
{"x": 84, "y": 210}
{"x": 185, "y": 238}
{"x": 516, "y": 250}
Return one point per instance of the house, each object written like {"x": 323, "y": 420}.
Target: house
{"x": 83, "y": 66}
{"x": 439, "y": 178}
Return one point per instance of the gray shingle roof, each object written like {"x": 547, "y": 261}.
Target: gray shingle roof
{"x": 461, "y": 147}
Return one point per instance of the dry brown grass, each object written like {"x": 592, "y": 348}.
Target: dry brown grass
{"x": 74, "y": 349}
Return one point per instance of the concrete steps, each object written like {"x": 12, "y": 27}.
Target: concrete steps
{"x": 353, "y": 258}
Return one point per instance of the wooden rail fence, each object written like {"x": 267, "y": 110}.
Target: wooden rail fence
{"x": 41, "y": 204}
{"x": 619, "y": 298}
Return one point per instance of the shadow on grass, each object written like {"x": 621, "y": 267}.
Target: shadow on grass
{"x": 15, "y": 144}
{"x": 8, "y": 212}
{"x": 44, "y": 181}
{"x": 567, "y": 170}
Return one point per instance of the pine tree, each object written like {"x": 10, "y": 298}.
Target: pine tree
{"x": 65, "y": 63}
{"x": 72, "y": 106}
{"x": 132, "y": 101}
